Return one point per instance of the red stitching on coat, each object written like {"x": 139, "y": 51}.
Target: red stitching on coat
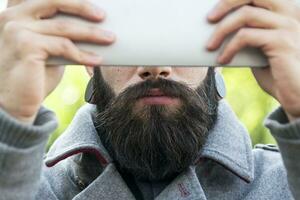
{"x": 99, "y": 157}
{"x": 184, "y": 192}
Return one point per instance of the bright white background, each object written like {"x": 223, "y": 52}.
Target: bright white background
{"x": 3, "y": 4}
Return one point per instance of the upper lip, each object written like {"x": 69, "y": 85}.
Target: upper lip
{"x": 155, "y": 92}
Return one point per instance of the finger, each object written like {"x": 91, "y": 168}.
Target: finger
{"x": 48, "y": 8}
{"x": 247, "y": 16}
{"x": 72, "y": 30}
{"x": 11, "y": 3}
{"x": 247, "y": 37}
{"x": 54, "y": 75}
{"x": 62, "y": 47}
{"x": 264, "y": 78}
{"x": 226, "y": 6}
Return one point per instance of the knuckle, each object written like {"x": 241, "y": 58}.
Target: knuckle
{"x": 286, "y": 39}
{"x": 80, "y": 57}
{"x": 67, "y": 49}
{"x": 221, "y": 26}
{"x": 246, "y": 9}
{"x": 4, "y": 17}
{"x": 247, "y": 12}
{"x": 79, "y": 5}
{"x": 85, "y": 8}
{"x": 241, "y": 36}
{"x": 93, "y": 32}
{"x": 66, "y": 45}
{"x": 227, "y": 2}
{"x": 85, "y": 5}
{"x": 54, "y": 2}
{"x": 22, "y": 40}
{"x": 293, "y": 23}
{"x": 24, "y": 46}
{"x": 11, "y": 27}
{"x": 61, "y": 25}
{"x": 242, "y": 33}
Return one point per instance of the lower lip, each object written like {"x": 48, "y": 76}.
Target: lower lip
{"x": 159, "y": 100}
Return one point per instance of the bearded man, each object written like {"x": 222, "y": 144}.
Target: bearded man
{"x": 148, "y": 133}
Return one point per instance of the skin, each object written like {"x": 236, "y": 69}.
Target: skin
{"x": 30, "y": 80}
{"x": 272, "y": 26}
{"x": 122, "y": 77}
{"x": 22, "y": 65}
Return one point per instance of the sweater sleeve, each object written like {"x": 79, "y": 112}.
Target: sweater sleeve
{"x": 287, "y": 135}
{"x": 22, "y": 148}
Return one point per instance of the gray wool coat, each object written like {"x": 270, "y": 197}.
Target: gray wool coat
{"x": 78, "y": 167}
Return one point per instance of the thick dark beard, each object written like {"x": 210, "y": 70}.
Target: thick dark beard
{"x": 153, "y": 145}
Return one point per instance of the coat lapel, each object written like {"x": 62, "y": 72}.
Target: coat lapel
{"x": 228, "y": 144}
{"x": 185, "y": 187}
{"x": 108, "y": 186}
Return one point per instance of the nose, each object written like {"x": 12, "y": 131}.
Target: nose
{"x": 154, "y": 72}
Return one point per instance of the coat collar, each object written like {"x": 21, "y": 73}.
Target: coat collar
{"x": 228, "y": 142}
{"x": 110, "y": 185}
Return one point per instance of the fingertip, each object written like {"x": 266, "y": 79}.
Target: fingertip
{"x": 211, "y": 17}
{"x": 214, "y": 15}
{"x": 209, "y": 48}
{"x": 93, "y": 60}
{"x": 223, "y": 60}
{"x": 211, "y": 45}
{"x": 110, "y": 36}
{"x": 98, "y": 14}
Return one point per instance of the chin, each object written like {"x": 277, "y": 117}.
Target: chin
{"x": 154, "y": 112}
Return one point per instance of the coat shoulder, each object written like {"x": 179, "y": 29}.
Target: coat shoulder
{"x": 268, "y": 163}
{"x": 267, "y": 147}
{"x": 267, "y": 156}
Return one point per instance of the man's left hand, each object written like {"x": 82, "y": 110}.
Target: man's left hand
{"x": 274, "y": 27}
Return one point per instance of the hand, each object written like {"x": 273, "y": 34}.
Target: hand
{"x": 274, "y": 27}
{"x": 28, "y": 37}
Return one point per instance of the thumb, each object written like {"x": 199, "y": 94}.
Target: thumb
{"x": 264, "y": 78}
{"x": 54, "y": 76}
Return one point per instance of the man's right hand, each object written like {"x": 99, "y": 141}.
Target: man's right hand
{"x": 28, "y": 36}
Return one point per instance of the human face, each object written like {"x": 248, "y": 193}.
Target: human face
{"x": 120, "y": 78}
{"x": 136, "y": 134}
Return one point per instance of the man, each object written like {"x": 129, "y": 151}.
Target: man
{"x": 154, "y": 133}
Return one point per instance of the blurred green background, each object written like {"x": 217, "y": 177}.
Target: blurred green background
{"x": 249, "y": 102}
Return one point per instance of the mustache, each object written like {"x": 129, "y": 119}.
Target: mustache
{"x": 169, "y": 88}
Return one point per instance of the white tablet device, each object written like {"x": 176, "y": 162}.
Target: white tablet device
{"x": 160, "y": 33}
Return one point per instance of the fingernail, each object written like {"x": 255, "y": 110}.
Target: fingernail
{"x": 213, "y": 13}
{"x": 99, "y": 13}
{"x": 109, "y": 35}
{"x": 211, "y": 16}
{"x": 94, "y": 59}
{"x": 220, "y": 60}
{"x": 209, "y": 45}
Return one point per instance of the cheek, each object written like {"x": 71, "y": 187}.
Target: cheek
{"x": 193, "y": 76}
{"x": 117, "y": 77}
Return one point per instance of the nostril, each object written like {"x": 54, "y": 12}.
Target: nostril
{"x": 165, "y": 74}
{"x": 146, "y": 74}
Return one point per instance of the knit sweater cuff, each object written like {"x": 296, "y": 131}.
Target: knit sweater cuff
{"x": 20, "y": 135}
{"x": 281, "y": 127}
